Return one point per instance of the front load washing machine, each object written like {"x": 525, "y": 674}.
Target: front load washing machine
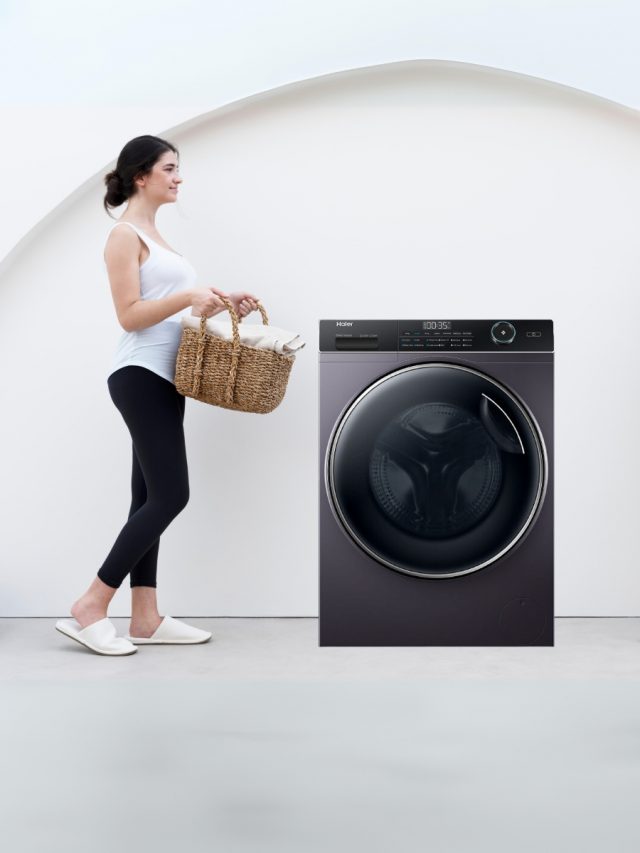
{"x": 436, "y": 482}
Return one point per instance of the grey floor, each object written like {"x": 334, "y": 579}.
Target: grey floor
{"x": 261, "y": 741}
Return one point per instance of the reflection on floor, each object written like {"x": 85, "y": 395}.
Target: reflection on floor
{"x": 260, "y": 741}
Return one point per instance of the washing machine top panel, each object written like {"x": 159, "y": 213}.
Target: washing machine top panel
{"x": 439, "y": 336}
{"x": 436, "y": 470}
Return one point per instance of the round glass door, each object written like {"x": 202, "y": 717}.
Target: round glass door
{"x": 436, "y": 470}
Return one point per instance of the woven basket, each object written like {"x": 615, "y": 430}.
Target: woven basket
{"x": 228, "y": 373}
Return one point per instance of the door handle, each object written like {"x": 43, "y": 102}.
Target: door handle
{"x": 500, "y": 426}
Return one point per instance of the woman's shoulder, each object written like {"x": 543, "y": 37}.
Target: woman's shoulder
{"x": 122, "y": 235}
{"x": 130, "y": 229}
{"x": 121, "y": 239}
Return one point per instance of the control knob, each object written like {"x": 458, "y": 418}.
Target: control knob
{"x": 503, "y": 332}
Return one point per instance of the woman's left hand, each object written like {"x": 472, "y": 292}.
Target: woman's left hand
{"x": 243, "y": 303}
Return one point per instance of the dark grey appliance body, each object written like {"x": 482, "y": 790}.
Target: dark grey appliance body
{"x": 366, "y": 600}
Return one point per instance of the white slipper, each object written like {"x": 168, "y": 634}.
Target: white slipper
{"x": 173, "y": 631}
{"x": 100, "y": 636}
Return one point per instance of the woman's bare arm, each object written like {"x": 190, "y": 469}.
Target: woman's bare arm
{"x": 122, "y": 256}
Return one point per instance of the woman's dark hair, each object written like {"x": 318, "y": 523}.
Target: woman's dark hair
{"x": 137, "y": 158}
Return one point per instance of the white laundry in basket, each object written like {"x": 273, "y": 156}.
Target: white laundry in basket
{"x": 252, "y": 334}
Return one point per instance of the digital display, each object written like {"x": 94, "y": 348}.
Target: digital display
{"x": 444, "y": 325}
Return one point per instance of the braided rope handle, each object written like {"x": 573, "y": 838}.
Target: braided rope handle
{"x": 265, "y": 319}
{"x": 235, "y": 355}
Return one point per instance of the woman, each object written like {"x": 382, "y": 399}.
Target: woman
{"x": 152, "y": 287}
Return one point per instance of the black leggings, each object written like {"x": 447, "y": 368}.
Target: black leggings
{"x": 153, "y": 410}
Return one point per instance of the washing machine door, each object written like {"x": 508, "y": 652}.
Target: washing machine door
{"x": 436, "y": 470}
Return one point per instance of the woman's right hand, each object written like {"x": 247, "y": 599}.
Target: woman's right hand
{"x": 205, "y": 303}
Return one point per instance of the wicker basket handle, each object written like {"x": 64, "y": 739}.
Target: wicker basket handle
{"x": 235, "y": 355}
{"x": 234, "y": 317}
{"x": 265, "y": 319}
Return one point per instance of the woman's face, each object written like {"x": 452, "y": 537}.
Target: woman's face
{"x": 161, "y": 184}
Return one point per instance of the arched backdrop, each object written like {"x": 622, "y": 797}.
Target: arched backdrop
{"x": 411, "y": 189}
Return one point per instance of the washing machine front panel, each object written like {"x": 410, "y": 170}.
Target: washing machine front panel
{"x": 436, "y": 470}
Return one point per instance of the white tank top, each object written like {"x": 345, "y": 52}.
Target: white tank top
{"x": 156, "y": 347}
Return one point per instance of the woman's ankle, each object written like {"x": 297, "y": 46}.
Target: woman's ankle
{"x": 94, "y": 603}
{"x": 86, "y": 612}
{"x": 101, "y": 590}
{"x": 144, "y": 604}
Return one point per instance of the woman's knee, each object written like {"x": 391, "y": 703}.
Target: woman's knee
{"x": 169, "y": 502}
{"x": 182, "y": 497}
{"x": 177, "y": 498}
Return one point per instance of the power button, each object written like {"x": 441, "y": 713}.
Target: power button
{"x": 503, "y": 332}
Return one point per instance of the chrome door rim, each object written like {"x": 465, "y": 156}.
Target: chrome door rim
{"x": 538, "y": 441}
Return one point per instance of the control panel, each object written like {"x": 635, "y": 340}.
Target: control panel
{"x": 436, "y": 335}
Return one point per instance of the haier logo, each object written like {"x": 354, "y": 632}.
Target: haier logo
{"x": 340, "y": 323}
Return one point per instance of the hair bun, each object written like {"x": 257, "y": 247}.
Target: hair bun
{"x": 115, "y": 189}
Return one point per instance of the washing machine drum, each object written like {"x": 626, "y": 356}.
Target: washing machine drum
{"x": 436, "y": 470}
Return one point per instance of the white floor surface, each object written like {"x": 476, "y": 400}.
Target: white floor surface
{"x": 260, "y": 741}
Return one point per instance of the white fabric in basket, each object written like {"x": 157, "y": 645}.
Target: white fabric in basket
{"x": 252, "y": 334}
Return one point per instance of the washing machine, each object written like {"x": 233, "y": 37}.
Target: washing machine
{"x": 436, "y": 483}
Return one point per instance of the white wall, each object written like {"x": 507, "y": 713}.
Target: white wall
{"x": 409, "y": 190}
{"x": 82, "y": 78}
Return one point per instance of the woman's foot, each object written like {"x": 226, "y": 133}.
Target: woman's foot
{"x": 146, "y": 628}
{"x": 92, "y": 606}
{"x": 172, "y": 631}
